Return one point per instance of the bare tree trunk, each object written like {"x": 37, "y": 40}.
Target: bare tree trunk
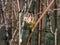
{"x": 5, "y": 21}
{"x": 40, "y": 25}
{"x": 12, "y": 21}
{"x": 55, "y": 34}
{"x": 55, "y": 18}
{"x": 20, "y": 13}
{"x": 55, "y": 21}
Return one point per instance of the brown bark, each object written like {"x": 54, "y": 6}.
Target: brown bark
{"x": 40, "y": 25}
{"x": 12, "y": 21}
